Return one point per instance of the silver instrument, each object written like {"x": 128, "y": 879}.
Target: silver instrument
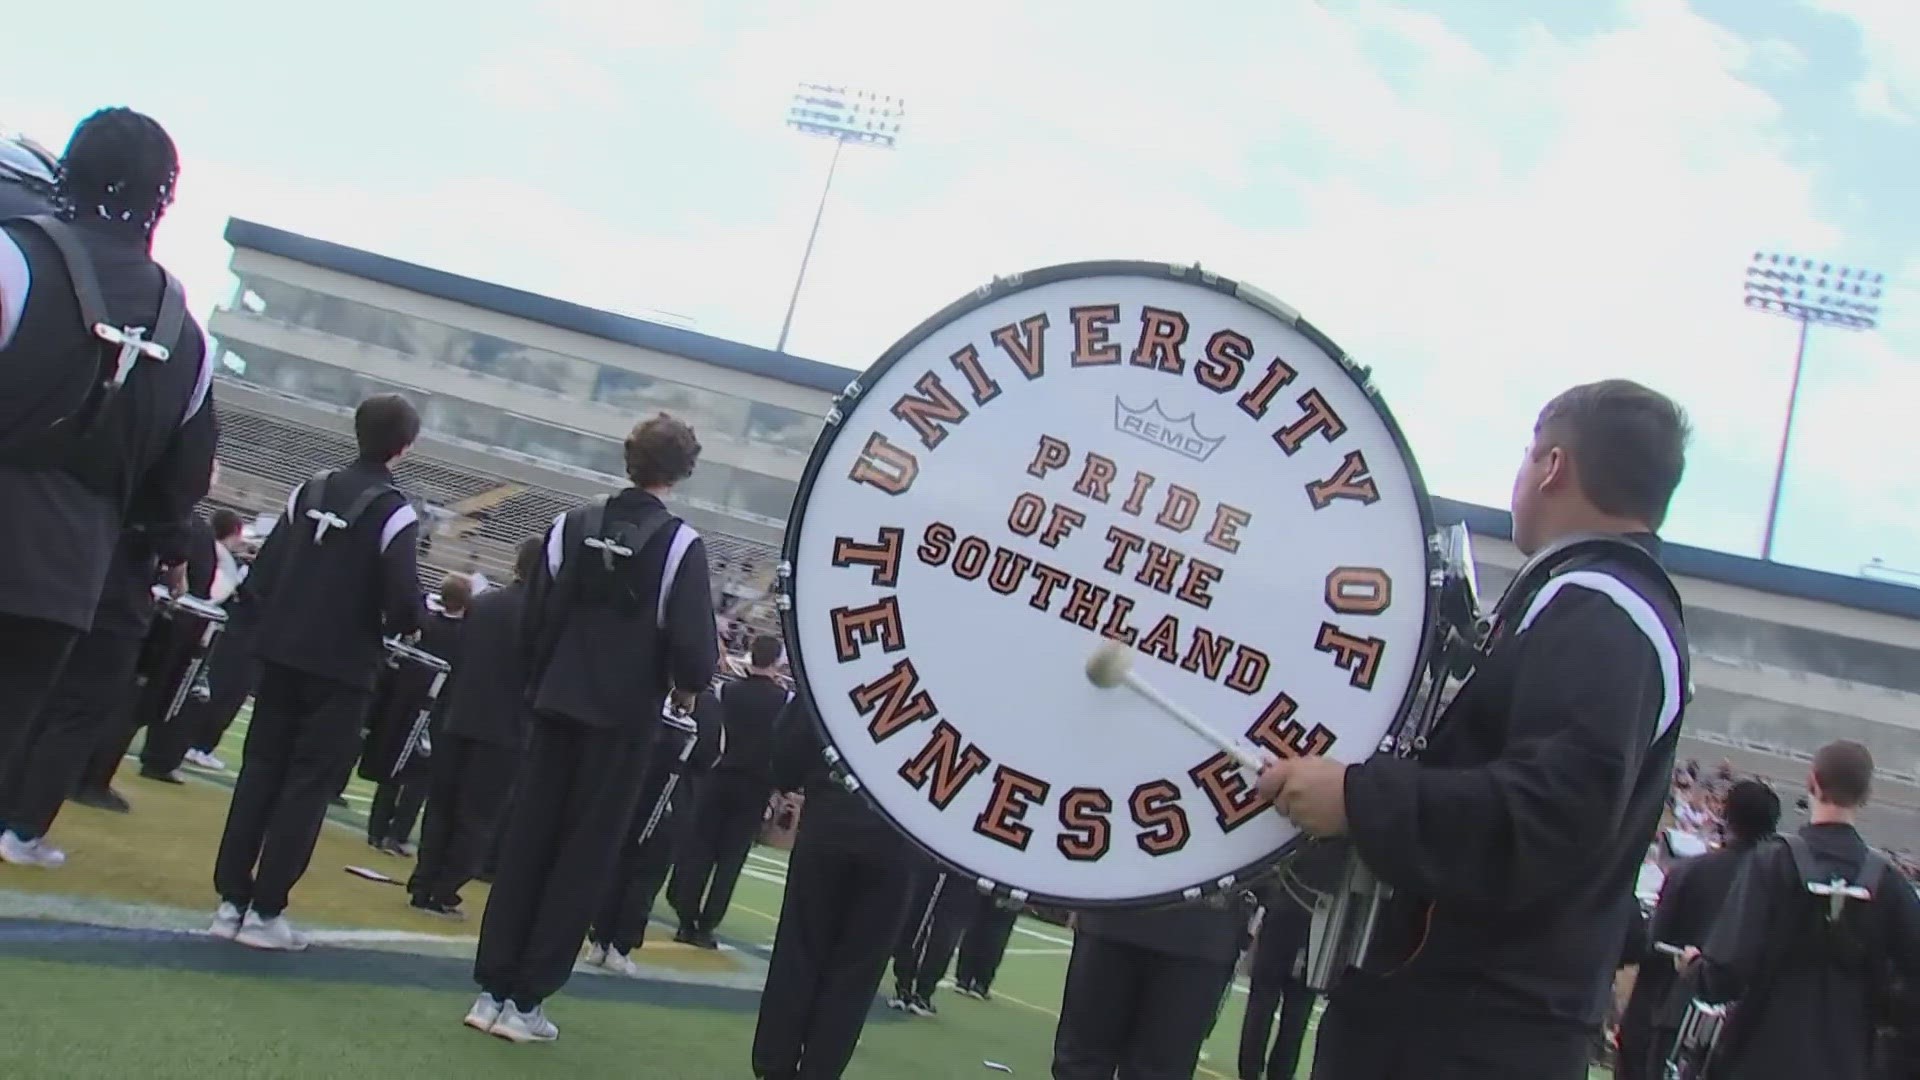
{"x": 400, "y": 652}
{"x": 689, "y": 737}
{"x": 1344, "y": 917}
{"x": 1693, "y": 1047}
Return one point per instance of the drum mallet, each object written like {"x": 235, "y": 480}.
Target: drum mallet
{"x": 1111, "y": 665}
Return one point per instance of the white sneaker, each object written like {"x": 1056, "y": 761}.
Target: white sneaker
{"x": 485, "y": 1011}
{"x": 620, "y": 963}
{"x": 596, "y": 956}
{"x": 206, "y": 761}
{"x": 275, "y": 934}
{"x": 226, "y": 921}
{"x": 524, "y": 1027}
{"x": 36, "y": 852}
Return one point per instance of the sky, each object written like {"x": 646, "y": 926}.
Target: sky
{"x": 1486, "y": 201}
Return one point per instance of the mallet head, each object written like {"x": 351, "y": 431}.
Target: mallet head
{"x": 1109, "y": 664}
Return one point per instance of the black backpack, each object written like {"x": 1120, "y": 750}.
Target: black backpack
{"x": 311, "y": 506}
{"x": 73, "y": 441}
{"x": 1836, "y": 909}
{"x": 599, "y": 571}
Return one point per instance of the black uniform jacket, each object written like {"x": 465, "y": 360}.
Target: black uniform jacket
{"x": 324, "y": 608}
{"x": 57, "y": 533}
{"x": 1690, "y": 901}
{"x": 834, "y": 818}
{"x": 1801, "y": 1010}
{"x": 752, "y": 707}
{"x": 486, "y": 694}
{"x": 1513, "y": 842}
{"x": 609, "y": 662}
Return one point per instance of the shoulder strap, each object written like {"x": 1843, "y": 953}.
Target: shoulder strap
{"x": 173, "y": 313}
{"x": 1873, "y": 867}
{"x": 366, "y": 499}
{"x": 86, "y": 284}
{"x": 1802, "y": 857}
{"x": 593, "y": 518}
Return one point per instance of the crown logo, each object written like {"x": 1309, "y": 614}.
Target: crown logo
{"x": 1152, "y": 424}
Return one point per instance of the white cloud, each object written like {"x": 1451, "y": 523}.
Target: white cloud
{"x": 1484, "y": 227}
{"x": 1890, "y": 42}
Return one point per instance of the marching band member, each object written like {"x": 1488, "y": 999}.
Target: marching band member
{"x": 733, "y": 799}
{"x": 475, "y": 754}
{"x": 146, "y": 441}
{"x": 335, "y": 577}
{"x": 938, "y": 912}
{"x": 1810, "y": 972}
{"x": 397, "y": 801}
{"x": 1512, "y": 842}
{"x": 231, "y": 668}
{"x": 619, "y": 618}
{"x": 846, "y": 894}
{"x": 620, "y": 925}
{"x": 87, "y": 702}
{"x": 1691, "y": 899}
{"x": 982, "y": 948}
{"x": 167, "y": 738}
{"x": 1142, "y": 990}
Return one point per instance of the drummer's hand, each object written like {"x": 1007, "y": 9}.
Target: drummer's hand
{"x": 1310, "y": 791}
{"x": 682, "y": 701}
{"x": 1687, "y": 958}
{"x": 175, "y": 579}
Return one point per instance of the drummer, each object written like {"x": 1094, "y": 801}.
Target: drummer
{"x": 397, "y": 800}
{"x": 336, "y": 575}
{"x": 1512, "y": 843}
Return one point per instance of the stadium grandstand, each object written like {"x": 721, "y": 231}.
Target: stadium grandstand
{"x": 525, "y": 399}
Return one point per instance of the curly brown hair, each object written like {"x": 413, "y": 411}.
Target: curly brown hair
{"x": 661, "y": 452}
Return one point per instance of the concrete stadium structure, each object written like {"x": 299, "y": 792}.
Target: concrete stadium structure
{"x": 529, "y": 397}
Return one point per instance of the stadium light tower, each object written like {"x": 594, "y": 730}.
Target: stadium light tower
{"x": 848, "y": 117}
{"x": 1807, "y": 291}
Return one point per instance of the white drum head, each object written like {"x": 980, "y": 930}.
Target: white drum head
{"x": 1090, "y": 453}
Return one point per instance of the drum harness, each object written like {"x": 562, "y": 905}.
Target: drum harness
{"x": 1344, "y": 919}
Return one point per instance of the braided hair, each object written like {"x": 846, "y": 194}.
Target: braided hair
{"x": 120, "y": 167}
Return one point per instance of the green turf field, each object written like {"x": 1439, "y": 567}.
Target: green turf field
{"x": 384, "y": 990}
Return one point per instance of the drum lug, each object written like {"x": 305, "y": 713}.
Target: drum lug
{"x": 784, "y": 571}
{"x": 1192, "y": 892}
{"x": 784, "y": 602}
{"x": 852, "y": 391}
{"x": 834, "y": 416}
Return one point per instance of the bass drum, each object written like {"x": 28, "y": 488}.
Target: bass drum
{"x": 1098, "y": 452}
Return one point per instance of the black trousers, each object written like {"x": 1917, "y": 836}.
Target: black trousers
{"x": 164, "y": 665}
{"x": 467, "y": 793}
{"x": 1374, "y": 1037}
{"x": 34, "y": 650}
{"x": 985, "y": 944}
{"x": 396, "y": 810}
{"x": 1134, "y": 1013}
{"x": 621, "y": 921}
{"x": 169, "y": 734}
{"x": 931, "y": 930}
{"x": 576, "y": 791}
{"x": 86, "y": 700}
{"x": 232, "y": 673}
{"x": 301, "y": 744}
{"x": 725, "y": 823}
{"x": 1294, "y": 1002}
{"x": 837, "y": 922}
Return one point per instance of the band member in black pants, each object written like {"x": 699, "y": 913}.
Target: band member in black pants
{"x": 982, "y": 948}
{"x": 335, "y": 577}
{"x": 88, "y": 700}
{"x": 1278, "y": 984}
{"x": 397, "y": 800}
{"x": 1142, "y": 988}
{"x": 619, "y": 619}
{"x": 733, "y": 800}
{"x": 165, "y": 746}
{"x": 82, "y": 456}
{"x": 941, "y": 907}
{"x": 846, "y": 896}
{"x": 620, "y": 925}
{"x": 232, "y": 672}
{"x": 476, "y": 753}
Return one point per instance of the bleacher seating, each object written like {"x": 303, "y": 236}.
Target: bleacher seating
{"x": 262, "y": 457}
